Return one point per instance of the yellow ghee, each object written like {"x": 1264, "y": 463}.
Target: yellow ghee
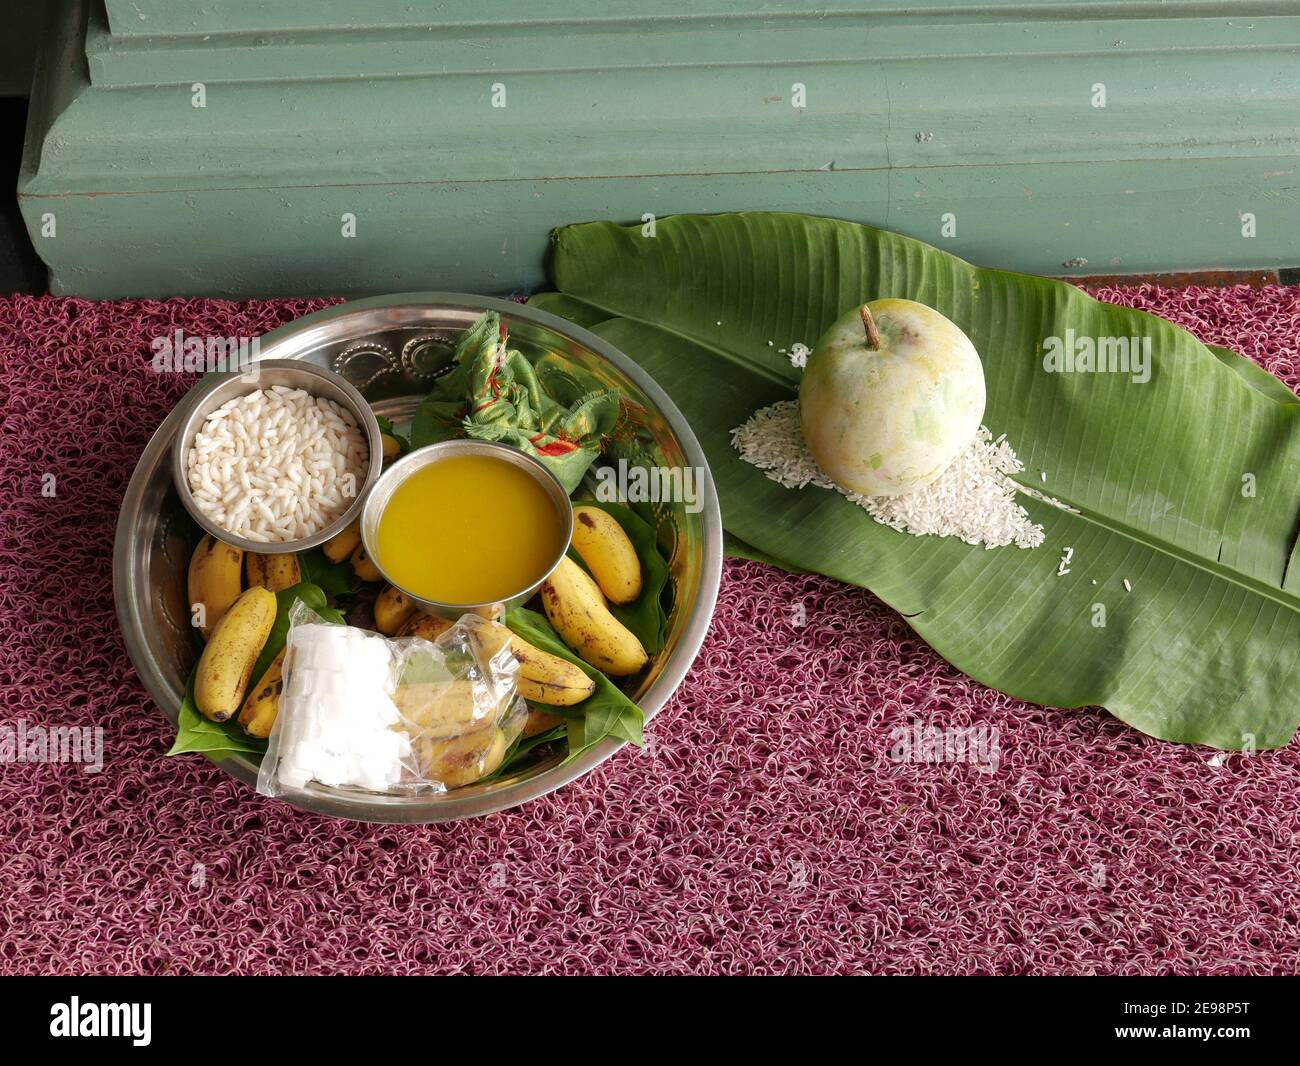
{"x": 468, "y": 529}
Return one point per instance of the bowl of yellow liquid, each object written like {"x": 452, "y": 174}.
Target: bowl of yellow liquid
{"x": 465, "y": 525}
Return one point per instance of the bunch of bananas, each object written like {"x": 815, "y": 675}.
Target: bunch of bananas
{"x": 455, "y": 737}
{"x": 236, "y": 622}
{"x": 542, "y": 677}
{"x": 577, "y": 602}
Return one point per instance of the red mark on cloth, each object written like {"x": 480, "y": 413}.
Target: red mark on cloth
{"x": 555, "y": 447}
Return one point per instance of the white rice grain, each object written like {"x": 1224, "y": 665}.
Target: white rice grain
{"x": 973, "y": 500}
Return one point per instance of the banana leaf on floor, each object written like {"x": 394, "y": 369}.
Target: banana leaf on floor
{"x": 1186, "y": 484}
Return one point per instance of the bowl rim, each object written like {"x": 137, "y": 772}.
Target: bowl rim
{"x": 210, "y": 383}
{"x": 419, "y": 458}
{"x": 457, "y": 804}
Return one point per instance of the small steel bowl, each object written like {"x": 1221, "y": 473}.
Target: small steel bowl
{"x": 217, "y": 389}
{"x": 382, "y": 491}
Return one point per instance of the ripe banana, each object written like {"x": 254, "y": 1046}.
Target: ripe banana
{"x": 438, "y": 709}
{"x": 363, "y": 567}
{"x": 214, "y": 580}
{"x": 463, "y": 759}
{"x": 577, "y": 610}
{"x": 229, "y": 655}
{"x": 542, "y": 677}
{"x": 539, "y": 722}
{"x": 392, "y": 446}
{"x": 588, "y": 582}
{"x": 425, "y": 626}
{"x": 343, "y": 543}
{"x": 274, "y": 572}
{"x": 257, "y": 716}
{"x": 393, "y": 609}
{"x": 608, "y": 553}
{"x": 442, "y": 709}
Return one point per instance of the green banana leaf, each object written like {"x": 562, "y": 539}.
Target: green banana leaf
{"x": 733, "y": 546}
{"x": 1186, "y": 485}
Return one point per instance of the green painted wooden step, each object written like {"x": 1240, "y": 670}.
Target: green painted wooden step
{"x": 946, "y": 124}
{"x": 791, "y": 45}
{"x": 191, "y": 17}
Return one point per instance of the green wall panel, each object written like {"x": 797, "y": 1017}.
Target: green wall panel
{"x": 491, "y": 237}
{"x": 911, "y": 115}
{"x": 778, "y": 45}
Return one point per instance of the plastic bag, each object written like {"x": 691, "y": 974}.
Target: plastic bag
{"x": 360, "y": 710}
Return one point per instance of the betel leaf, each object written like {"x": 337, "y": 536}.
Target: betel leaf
{"x": 607, "y": 712}
{"x": 312, "y": 596}
{"x": 427, "y": 427}
{"x": 1185, "y": 484}
{"x": 334, "y": 579}
{"x": 194, "y": 733}
{"x": 645, "y": 615}
{"x": 494, "y": 393}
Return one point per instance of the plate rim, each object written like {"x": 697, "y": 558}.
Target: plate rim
{"x": 398, "y": 810}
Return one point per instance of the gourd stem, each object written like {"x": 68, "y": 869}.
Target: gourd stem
{"x": 869, "y": 324}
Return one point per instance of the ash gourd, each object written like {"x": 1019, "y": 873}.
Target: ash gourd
{"x": 889, "y": 414}
{"x": 893, "y": 393}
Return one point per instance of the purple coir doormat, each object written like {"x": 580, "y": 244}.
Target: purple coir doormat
{"x": 765, "y": 829}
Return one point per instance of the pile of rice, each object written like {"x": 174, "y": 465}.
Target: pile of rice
{"x": 277, "y": 464}
{"x": 974, "y": 499}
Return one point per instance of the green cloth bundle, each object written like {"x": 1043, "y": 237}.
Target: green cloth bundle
{"x": 494, "y": 393}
